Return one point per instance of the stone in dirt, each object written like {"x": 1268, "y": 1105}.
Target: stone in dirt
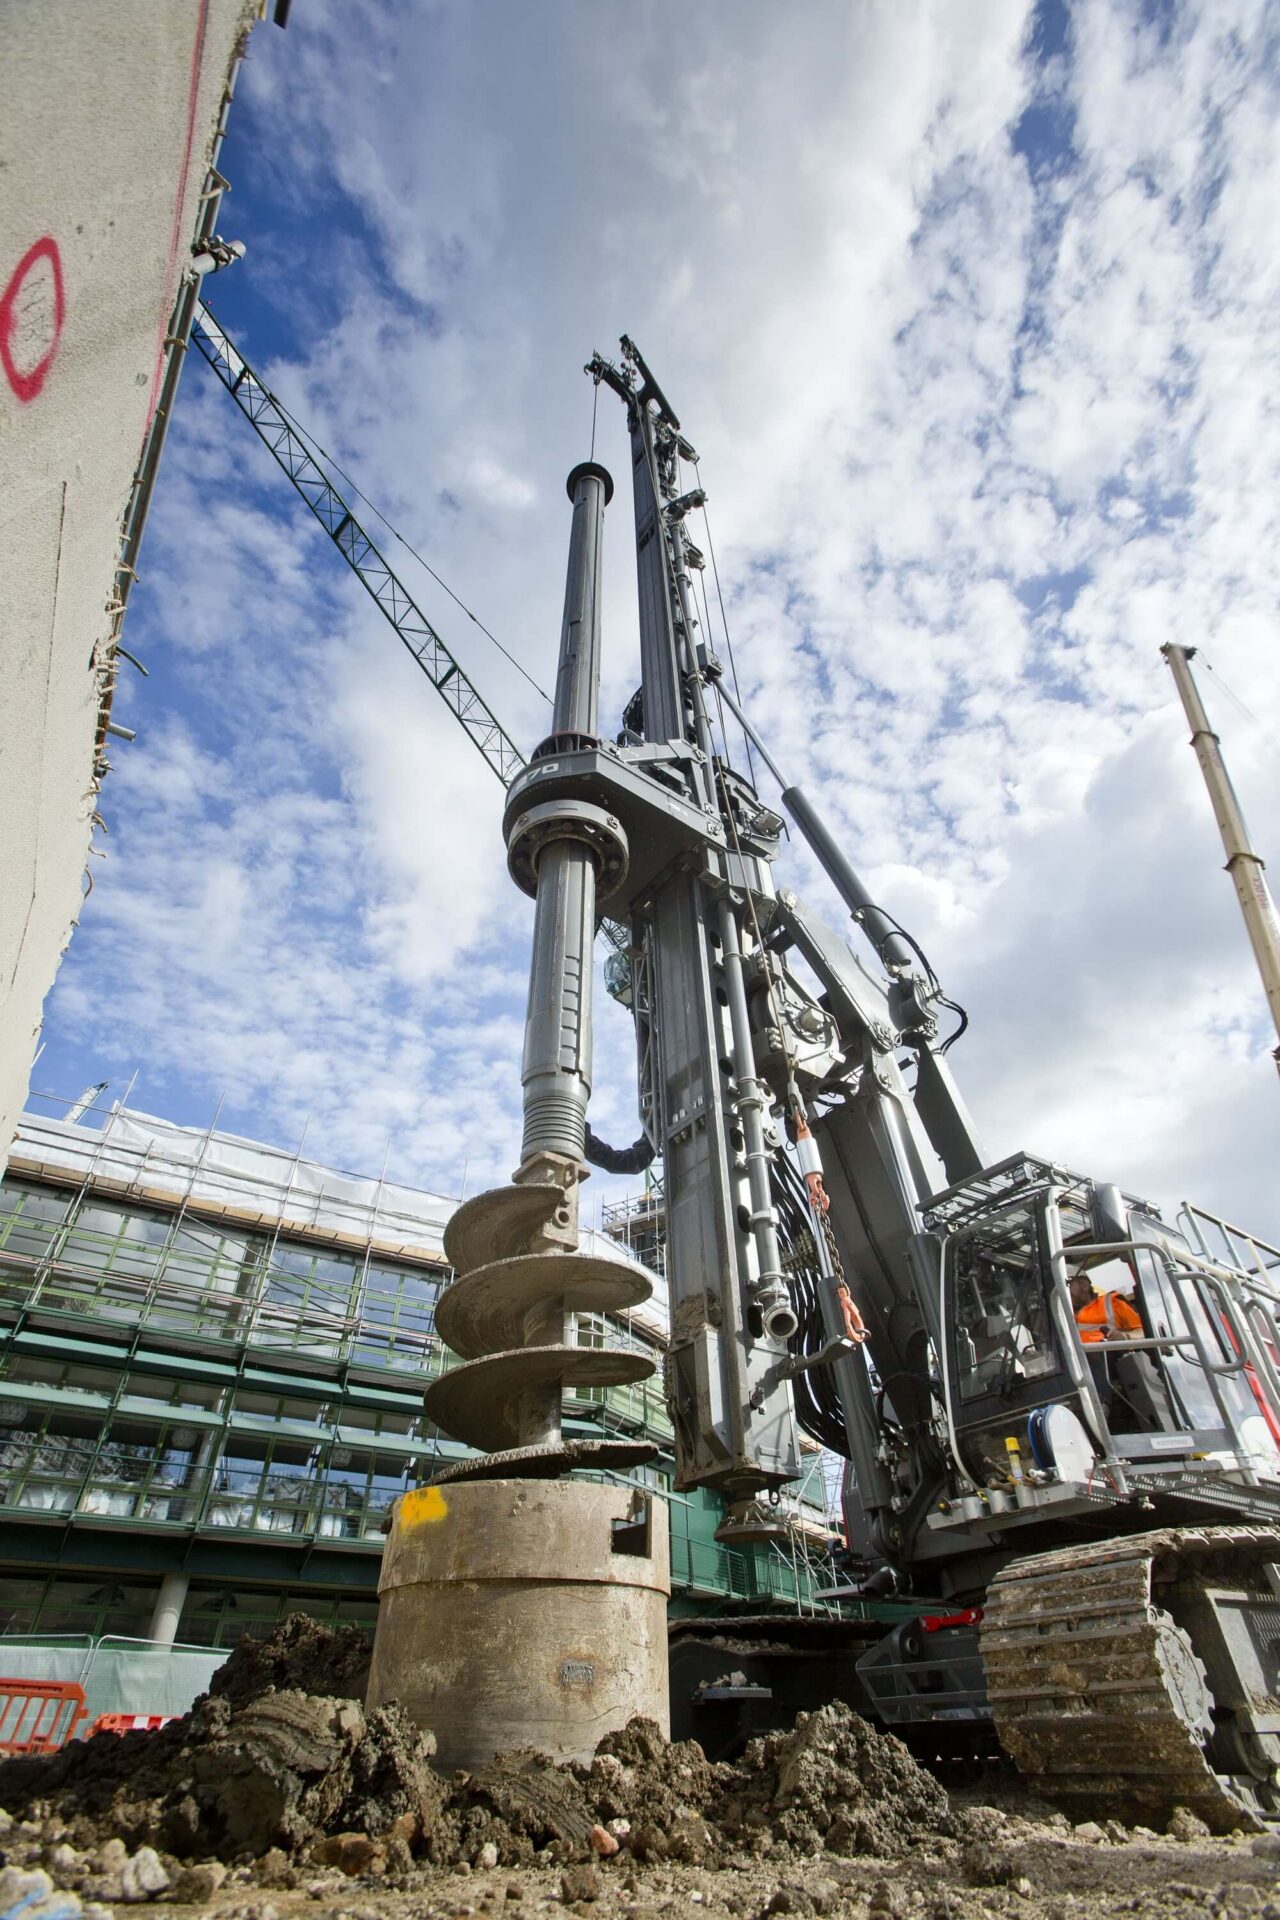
{"x": 35, "y": 1897}
{"x": 351, "y": 1853}
{"x": 144, "y": 1876}
{"x": 1185, "y": 1825}
{"x": 580, "y": 1883}
{"x": 196, "y": 1885}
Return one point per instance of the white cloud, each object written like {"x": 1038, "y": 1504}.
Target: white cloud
{"x": 979, "y": 436}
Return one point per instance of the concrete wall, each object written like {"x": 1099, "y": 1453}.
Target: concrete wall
{"x": 108, "y": 117}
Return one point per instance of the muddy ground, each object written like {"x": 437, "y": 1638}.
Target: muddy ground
{"x": 277, "y": 1797}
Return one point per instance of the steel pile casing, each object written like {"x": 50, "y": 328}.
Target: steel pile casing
{"x": 524, "y": 1613}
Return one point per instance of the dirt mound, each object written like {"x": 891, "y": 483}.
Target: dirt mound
{"x": 277, "y": 1773}
{"x": 832, "y": 1783}
{"x": 255, "y": 1769}
{"x": 659, "y": 1788}
{"x": 301, "y": 1653}
{"x": 521, "y": 1804}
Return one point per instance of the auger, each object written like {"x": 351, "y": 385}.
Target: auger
{"x": 517, "y": 1607}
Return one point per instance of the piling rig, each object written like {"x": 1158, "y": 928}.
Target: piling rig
{"x": 1066, "y": 1549}
{"x": 1080, "y": 1536}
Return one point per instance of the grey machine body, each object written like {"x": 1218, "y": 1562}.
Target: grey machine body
{"x": 751, "y": 1011}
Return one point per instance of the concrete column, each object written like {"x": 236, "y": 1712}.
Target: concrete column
{"x": 168, "y": 1611}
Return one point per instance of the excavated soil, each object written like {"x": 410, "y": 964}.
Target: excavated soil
{"x": 272, "y": 1800}
{"x": 301, "y": 1653}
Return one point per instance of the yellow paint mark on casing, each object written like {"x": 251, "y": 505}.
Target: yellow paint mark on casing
{"x": 422, "y": 1506}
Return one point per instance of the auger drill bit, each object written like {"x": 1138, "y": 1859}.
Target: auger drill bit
{"x": 514, "y": 1250}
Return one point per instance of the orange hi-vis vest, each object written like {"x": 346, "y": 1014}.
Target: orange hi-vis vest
{"x": 1107, "y": 1312}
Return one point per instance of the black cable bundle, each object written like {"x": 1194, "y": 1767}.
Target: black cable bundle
{"x": 817, "y": 1402}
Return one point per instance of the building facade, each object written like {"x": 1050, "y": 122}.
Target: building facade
{"x": 212, "y": 1356}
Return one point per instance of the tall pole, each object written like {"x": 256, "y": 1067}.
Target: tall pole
{"x": 557, "y": 1046}
{"x": 1244, "y": 864}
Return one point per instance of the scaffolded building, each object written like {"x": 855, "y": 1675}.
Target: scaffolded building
{"x": 212, "y": 1358}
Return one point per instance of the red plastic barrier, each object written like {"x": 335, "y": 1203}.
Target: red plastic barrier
{"x": 39, "y": 1716}
{"x": 128, "y": 1722}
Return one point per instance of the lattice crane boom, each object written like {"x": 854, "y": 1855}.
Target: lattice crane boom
{"x": 263, "y": 412}
{"x": 283, "y": 441}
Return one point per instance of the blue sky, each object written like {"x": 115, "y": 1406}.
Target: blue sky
{"x": 970, "y": 313}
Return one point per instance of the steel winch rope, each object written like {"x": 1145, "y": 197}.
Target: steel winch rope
{"x": 724, "y": 618}
{"x": 1237, "y": 702}
{"x": 805, "y": 1397}
{"x": 407, "y": 544}
{"x": 952, "y": 1005}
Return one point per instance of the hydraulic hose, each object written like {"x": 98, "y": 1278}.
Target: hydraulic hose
{"x": 632, "y": 1159}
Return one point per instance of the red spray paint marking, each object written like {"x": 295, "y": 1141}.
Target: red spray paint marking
{"x": 27, "y": 381}
{"x": 175, "y": 232}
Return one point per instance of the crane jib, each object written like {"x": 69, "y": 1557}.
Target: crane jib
{"x": 415, "y": 631}
{"x": 335, "y": 515}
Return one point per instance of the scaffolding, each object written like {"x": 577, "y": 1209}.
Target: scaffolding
{"x": 207, "y": 1344}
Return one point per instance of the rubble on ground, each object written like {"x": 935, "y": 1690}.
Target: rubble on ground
{"x": 263, "y": 1763}
{"x": 315, "y": 1777}
{"x": 281, "y": 1771}
{"x": 272, "y": 1801}
{"x": 833, "y": 1782}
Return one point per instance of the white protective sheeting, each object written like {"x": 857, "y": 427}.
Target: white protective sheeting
{"x": 150, "y": 1158}
{"x": 118, "y": 1675}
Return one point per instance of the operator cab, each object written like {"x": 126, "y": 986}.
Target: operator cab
{"x": 1092, "y": 1353}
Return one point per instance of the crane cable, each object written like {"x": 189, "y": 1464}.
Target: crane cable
{"x": 951, "y": 1005}
{"x": 852, "y": 1322}
{"x": 724, "y": 618}
{"x": 1237, "y": 702}
{"x": 312, "y": 443}
{"x": 819, "y": 1204}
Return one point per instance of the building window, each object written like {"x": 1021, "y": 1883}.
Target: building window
{"x": 24, "y": 1370}
{"x": 308, "y": 1301}
{"x": 358, "y": 1491}
{"x": 265, "y": 1484}
{"x": 216, "y": 1617}
{"x": 397, "y": 1316}
{"x": 175, "y": 1272}
{"x": 30, "y": 1218}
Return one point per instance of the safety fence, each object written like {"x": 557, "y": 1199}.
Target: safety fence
{"x": 116, "y": 1676}
{"x": 39, "y": 1716}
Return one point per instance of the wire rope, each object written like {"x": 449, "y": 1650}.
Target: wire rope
{"x": 312, "y": 443}
{"x": 724, "y": 618}
{"x": 1237, "y": 702}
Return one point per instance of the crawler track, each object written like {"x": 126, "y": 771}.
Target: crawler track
{"x": 1098, "y": 1694}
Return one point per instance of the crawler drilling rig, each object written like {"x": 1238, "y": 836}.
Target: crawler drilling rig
{"x": 1066, "y": 1548}
{"x": 1080, "y": 1539}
